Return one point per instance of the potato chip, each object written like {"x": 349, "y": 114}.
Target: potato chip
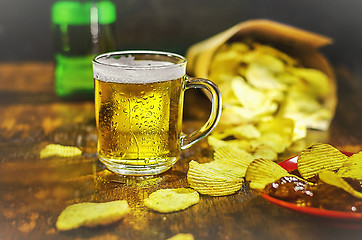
{"x": 319, "y": 157}
{"x": 215, "y": 178}
{"x": 275, "y": 52}
{"x": 198, "y": 179}
{"x": 233, "y": 157}
{"x": 225, "y": 63}
{"x": 318, "y": 82}
{"x": 262, "y": 172}
{"x": 216, "y": 171}
{"x": 248, "y": 131}
{"x": 275, "y": 95}
{"x": 239, "y": 47}
{"x": 227, "y": 92}
{"x": 91, "y": 214}
{"x": 59, "y": 151}
{"x": 352, "y": 167}
{"x": 219, "y": 190}
{"x": 281, "y": 126}
{"x": 276, "y": 133}
{"x": 332, "y": 178}
{"x": 287, "y": 78}
{"x": 270, "y": 63}
{"x": 275, "y": 141}
{"x": 171, "y": 200}
{"x": 182, "y": 236}
{"x": 215, "y": 142}
{"x": 232, "y": 116}
{"x": 243, "y": 144}
{"x": 247, "y": 95}
{"x": 299, "y": 132}
{"x": 305, "y": 110}
{"x": 262, "y": 77}
{"x": 266, "y": 152}
{"x": 247, "y": 115}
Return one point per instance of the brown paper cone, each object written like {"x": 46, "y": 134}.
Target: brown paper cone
{"x": 300, "y": 44}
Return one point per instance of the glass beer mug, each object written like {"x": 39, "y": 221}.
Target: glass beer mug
{"x": 138, "y": 107}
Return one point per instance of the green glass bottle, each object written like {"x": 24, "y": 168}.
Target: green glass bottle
{"x": 81, "y": 30}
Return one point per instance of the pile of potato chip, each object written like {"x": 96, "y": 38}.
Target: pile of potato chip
{"x": 322, "y": 160}
{"x": 231, "y": 166}
{"x": 222, "y": 176}
{"x": 269, "y": 99}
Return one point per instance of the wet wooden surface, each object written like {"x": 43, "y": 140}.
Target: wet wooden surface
{"x": 34, "y": 191}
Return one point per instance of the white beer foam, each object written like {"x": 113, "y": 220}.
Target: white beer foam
{"x": 128, "y": 70}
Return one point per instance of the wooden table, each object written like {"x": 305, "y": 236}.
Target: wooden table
{"x": 34, "y": 191}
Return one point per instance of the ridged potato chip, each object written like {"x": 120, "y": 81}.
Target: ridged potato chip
{"x": 215, "y": 171}
{"x": 242, "y": 144}
{"x": 60, "y": 151}
{"x": 332, "y": 178}
{"x": 262, "y": 172}
{"x": 233, "y": 157}
{"x": 171, "y": 200}
{"x": 352, "y": 167}
{"x": 319, "y": 156}
{"x": 215, "y": 178}
{"x": 91, "y": 214}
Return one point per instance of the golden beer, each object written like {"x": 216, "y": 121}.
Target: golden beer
{"x": 138, "y": 107}
{"x": 139, "y": 124}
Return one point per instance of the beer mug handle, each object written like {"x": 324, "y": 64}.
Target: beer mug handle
{"x": 216, "y": 101}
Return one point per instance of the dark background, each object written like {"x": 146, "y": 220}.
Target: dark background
{"x": 174, "y": 25}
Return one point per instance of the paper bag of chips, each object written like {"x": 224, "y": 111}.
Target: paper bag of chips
{"x": 269, "y": 74}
